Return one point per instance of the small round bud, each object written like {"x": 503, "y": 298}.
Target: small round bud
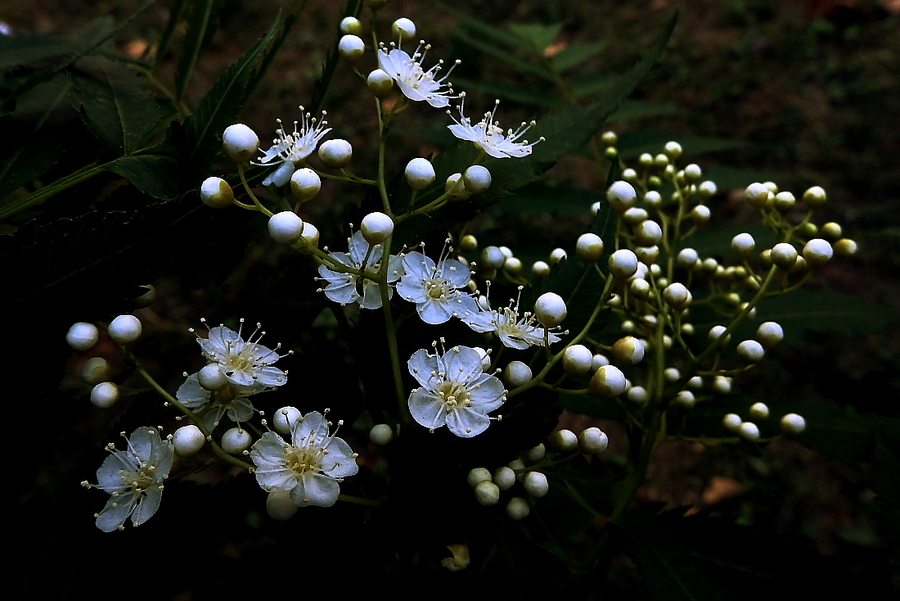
{"x": 671, "y": 374}
{"x": 748, "y": 431}
{"x": 598, "y": 361}
{"x": 216, "y": 193}
{"x": 504, "y": 477}
{"x": 629, "y": 175}
{"x": 628, "y": 350}
{"x": 815, "y": 197}
{"x": 351, "y": 47}
{"x": 280, "y": 506}
{"x": 623, "y": 264}
{"x": 310, "y": 236}
{"x": 716, "y": 334}
{"x": 621, "y": 196}
{"x": 732, "y": 422}
{"x": 685, "y": 398}
{"x": 188, "y": 440}
{"x": 455, "y": 187}
{"x": 82, "y": 336}
{"x": 707, "y": 189}
{"x": 467, "y": 243}
{"x": 700, "y": 214}
{"x": 589, "y": 247}
{"x": 96, "y": 370}
{"x": 550, "y": 309}
{"x": 640, "y": 288}
{"x": 769, "y": 333}
{"x": 757, "y": 194}
{"x": 212, "y": 377}
{"x": 380, "y": 83}
{"x": 104, "y": 395}
{"x": 784, "y": 255}
{"x": 596, "y": 207}
{"x": 610, "y": 138}
{"x": 759, "y": 411}
{"x": 305, "y": 184}
{"x": 693, "y": 173}
{"x": 722, "y": 384}
{"x": 647, "y": 233}
{"x": 376, "y": 227}
{"x": 285, "y": 227}
{"x": 285, "y": 419}
{"x": 125, "y": 329}
{"x": 687, "y": 258}
{"x": 832, "y": 230}
{"x": 477, "y": 179}
{"x": 419, "y": 173}
{"x": 513, "y": 267}
{"x": 645, "y": 160}
{"x": 536, "y": 484}
{"x": 647, "y": 254}
{"x": 637, "y": 395}
{"x": 608, "y": 381}
{"x": 381, "y": 434}
{"x": 564, "y": 440}
{"x": 677, "y": 296}
{"x": 477, "y": 475}
{"x": 817, "y": 252}
{"x": 750, "y": 351}
{"x": 536, "y": 453}
{"x": 487, "y": 493}
{"x": 235, "y": 441}
{"x": 593, "y": 441}
{"x": 335, "y": 153}
{"x": 403, "y": 29}
{"x": 240, "y": 142}
{"x": 695, "y": 383}
{"x": 517, "y": 508}
{"x": 845, "y": 247}
{"x": 351, "y": 25}
{"x": 784, "y": 202}
{"x": 540, "y": 269}
{"x": 743, "y": 245}
{"x": 557, "y": 255}
{"x": 673, "y": 150}
{"x": 635, "y": 215}
{"x": 492, "y": 257}
{"x": 792, "y": 424}
{"x": 577, "y": 360}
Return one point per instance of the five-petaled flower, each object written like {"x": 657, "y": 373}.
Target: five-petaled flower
{"x": 288, "y": 150}
{"x": 513, "y": 331}
{"x": 231, "y": 400}
{"x": 416, "y": 83}
{"x": 134, "y": 477}
{"x": 345, "y": 288}
{"x": 489, "y": 137}
{"x": 434, "y": 287}
{"x": 310, "y": 467}
{"x": 455, "y": 391}
{"x": 243, "y": 363}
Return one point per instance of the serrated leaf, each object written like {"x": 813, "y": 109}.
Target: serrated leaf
{"x": 220, "y": 106}
{"x": 114, "y": 104}
{"x": 195, "y": 39}
{"x": 540, "y": 36}
{"x": 16, "y": 51}
{"x": 589, "y": 84}
{"x": 153, "y": 174}
{"x": 575, "y": 54}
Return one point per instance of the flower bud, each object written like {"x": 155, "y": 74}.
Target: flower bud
{"x": 478, "y": 475}
{"x": 310, "y": 236}
{"x": 536, "y": 453}
{"x": 647, "y": 233}
{"x": 240, "y": 142}
{"x": 305, "y": 184}
{"x": 96, "y": 370}
{"x": 285, "y": 227}
{"x": 285, "y": 419}
{"x": 677, "y": 296}
{"x": 188, "y": 440}
{"x": 82, "y": 336}
{"x": 104, "y": 395}
{"x": 564, "y": 440}
{"x": 845, "y": 247}
{"x": 732, "y": 422}
{"x": 628, "y": 350}
{"x": 380, "y": 83}
{"x": 376, "y": 227}
{"x": 722, "y": 384}
{"x": 593, "y": 441}
{"x": 748, "y": 431}
{"x": 635, "y": 216}
{"x": 750, "y": 351}
{"x": 707, "y": 189}
{"x": 623, "y": 264}
{"x": 784, "y": 202}
{"x": 685, "y": 398}
{"x": 477, "y": 179}
{"x": 487, "y": 493}
{"x": 769, "y": 333}
{"x": 517, "y": 508}
{"x": 817, "y": 252}
{"x": 125, "y": 329}
{"x": 235, "y": 441}
{"x": 540, "y": 270}
{"x": 673, "y": 150}
{"x": 536, "y": 484}
{"x": 216, "y": 193}
{"x": 455, "y": 187}
{"x": 716, "y": 334}
{"x": 335, "y": 153}
{"x": 758, "y": 411}
{"x": 647, "y": 254}
{"x": 557, "y": 255}
{"x": 504, "y": 477}
{"x": 757, "y": 194}
{"x": 608, "y": 381}
{"x": 403, "y": 29}
{"x": 419, "y": 173}
{"x": 784, "y": 255}
{"x": 832, "y": 230}
{"x": 792, "y": 424}
{"x": 637, "y": 395}
{"x": 814, "y": 197}
{"x": 577, "y": 360}
{"x": 550, "y": 309}
{"x": 517, "y": 374}
{"x": 280, "y": 506}
{"x": 513, "y": 267}
{"x": 351, "y": 48}
{"x": 743, "y": 245}
{"x": 621, "y": 196}
{"x": 687, "y": 258}
{"x": 492, "y": 257}
{"x": 351, "y": 25}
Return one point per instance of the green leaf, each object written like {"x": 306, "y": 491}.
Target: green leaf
{"x": 153, "y": 174}
{"x": 540, "y": 36}
{"x": 195, "y": 39}
{"x": 16, "y": 51}
{"x": 539, "y": 198}
{"x": 631, "y": 110}
{"x": 523, "y": 65}
{"x": 221, "y": 105}
{"x": 114, "y": 104}
{"x": 575, "y": 54}
{"x": 485, "y": 31}
{"x": 29, "y": 162}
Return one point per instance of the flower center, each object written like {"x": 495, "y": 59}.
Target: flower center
{"x": 454, "y": 395}
{"x": 142, "y": 479}
{"x": 301, "y": 459}
{"x": 437, "y": 288}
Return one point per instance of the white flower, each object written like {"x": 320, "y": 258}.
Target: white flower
{"x": 455, "y": 391}
{"x": 416, "y": 83}
{"x": 434, "y": 287}
{"x": 309, "y": 468}
{"x": 243, "y": 363}
{"x": 489, "y": 137}
{"x": 513, "y": 331}
{"x": 134, "y": 477}
{"x": 289, "y": 150}
{"x": 231, "y": 400}
{"x": 345, "y": 288}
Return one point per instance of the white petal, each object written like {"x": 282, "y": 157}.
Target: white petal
{"x": 315, "y": 489}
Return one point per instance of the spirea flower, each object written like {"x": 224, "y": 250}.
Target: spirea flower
{"x": 513, "y": 331}
{"x": 288, "y": 150}
{"x": 434, "y": 287}
{"x": 416, "y": 83}
{"x": 455, "y": 391}
{"x": 134, "y": 477}
{"x": 310, "y": 467}
{"x": 231, "y": 400}
{"x": 489, "y": 137}
{"x": 243, "y": 363}
{"x": 345, "y": 288}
